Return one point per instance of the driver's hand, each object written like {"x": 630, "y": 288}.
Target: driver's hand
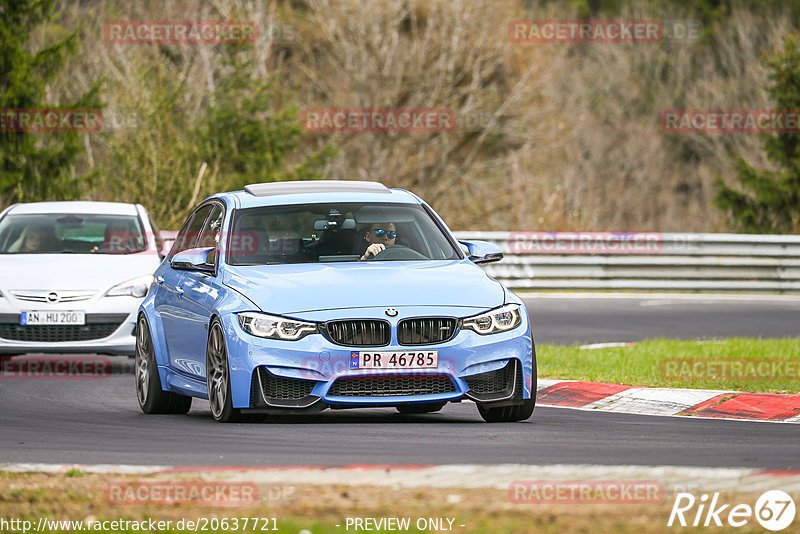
{"x": 373, "y": 250}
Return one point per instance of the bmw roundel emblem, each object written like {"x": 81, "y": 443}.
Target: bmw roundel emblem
{"x": 391, "y": 312}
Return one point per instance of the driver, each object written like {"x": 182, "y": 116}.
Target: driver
{"x": 378, "y": 236}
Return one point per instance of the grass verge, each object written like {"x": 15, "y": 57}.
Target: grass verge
{"x": 314, "y": 509}
{"x": 740, "y": 364}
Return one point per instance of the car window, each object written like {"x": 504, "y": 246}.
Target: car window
{"x": 211, "y": 232}
{"x": 189, "y": 236}
{"x": 69, "y": 233}
{"x": 309, "y": 233}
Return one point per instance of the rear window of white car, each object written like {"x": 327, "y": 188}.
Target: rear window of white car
{"x": 71, "y": 234}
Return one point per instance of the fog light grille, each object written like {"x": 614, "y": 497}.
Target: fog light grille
{"x": 278, "y": 387}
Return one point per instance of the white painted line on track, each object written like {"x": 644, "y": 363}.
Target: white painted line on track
{"x": 607, "y": 345}
{"x": 666, "y": 296}
{"x": 795, "y": 419}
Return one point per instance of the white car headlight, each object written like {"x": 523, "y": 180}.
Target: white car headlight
{"x": 274, "y": 327}
{"x": 136, "y": 287}
{"x": 498, "y": 320}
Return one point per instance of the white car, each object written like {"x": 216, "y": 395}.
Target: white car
{"x": 72, "y": 275}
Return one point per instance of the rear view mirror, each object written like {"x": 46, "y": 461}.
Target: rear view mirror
{"x": 325, "y": 224}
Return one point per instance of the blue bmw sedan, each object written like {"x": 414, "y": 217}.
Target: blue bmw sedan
{"x": 301, "y": 296}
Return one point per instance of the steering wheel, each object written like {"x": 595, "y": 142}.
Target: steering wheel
{"x": 399, "y": 252}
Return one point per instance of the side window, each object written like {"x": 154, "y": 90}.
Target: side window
{"x": 211, "y": 232}
{"x": 189, "y": 235}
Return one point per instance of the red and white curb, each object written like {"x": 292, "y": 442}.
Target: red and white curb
{"x": 461, "y": 476}
{"x": 705, "y": 403}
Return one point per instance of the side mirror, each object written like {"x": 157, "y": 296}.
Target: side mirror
{"x": 482, "y": 251}
{"x": 194, "y": 259}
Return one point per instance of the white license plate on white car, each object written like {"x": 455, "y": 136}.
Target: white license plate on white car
{"x": 52, "y": 317}
{"x": 417, "y": 359}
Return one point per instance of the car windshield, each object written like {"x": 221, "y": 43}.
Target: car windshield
{"x": 335, "y": 232}
{"x": 70, "y": 233}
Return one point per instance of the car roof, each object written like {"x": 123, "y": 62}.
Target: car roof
{"x": 79, "y": 207}
{"x": 319, "y": 191}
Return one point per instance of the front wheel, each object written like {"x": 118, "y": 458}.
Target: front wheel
{"x": 153, "y": 399}
{"x": 514, "y": 412}
{"x": 218, "y": 378}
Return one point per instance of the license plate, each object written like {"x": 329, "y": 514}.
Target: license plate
{"x": 52, "y": 317}
{"x": 421, "y": 359}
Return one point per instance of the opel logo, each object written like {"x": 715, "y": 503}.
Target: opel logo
{"x": 52, "y": 297}
{"x": 391, "y": 312}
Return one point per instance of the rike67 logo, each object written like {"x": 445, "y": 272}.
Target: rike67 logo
{"x": 774, "y": 510}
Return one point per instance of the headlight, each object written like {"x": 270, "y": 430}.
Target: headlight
{"x": 273, "y": 327}
{"x": 132, "y": 288}
{"x": 497, "y": 320}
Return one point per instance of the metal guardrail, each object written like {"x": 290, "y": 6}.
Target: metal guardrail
{"x": 663, "y": 262}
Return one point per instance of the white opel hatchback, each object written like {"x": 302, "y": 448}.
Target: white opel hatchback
{"x": 72, "y": 275}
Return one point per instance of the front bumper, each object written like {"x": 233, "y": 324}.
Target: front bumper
{"x": 498, "y": 388}
{"x": 319, "y": 370}
{"x": 109, "y": 329}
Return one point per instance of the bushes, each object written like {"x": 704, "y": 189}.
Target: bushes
{"x": 547, "y": 136}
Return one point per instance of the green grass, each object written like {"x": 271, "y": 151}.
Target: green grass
{"x": 671, "y": 363}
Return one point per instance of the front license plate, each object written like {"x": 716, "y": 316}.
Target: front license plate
{"x": 421, "y": 359}
{"x": 52, "y": 317}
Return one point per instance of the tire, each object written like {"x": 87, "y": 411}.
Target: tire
{"x": 218, "y": 377}
{"x": 152, "y": 399}
{"x": 420, "y": 407}
{"x": 514, "y": 412}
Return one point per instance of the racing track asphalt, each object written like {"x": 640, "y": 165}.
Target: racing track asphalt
{"x": 565, "y": 319}
{"x": 98, "y": 421}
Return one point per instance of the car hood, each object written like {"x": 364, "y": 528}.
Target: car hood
{"x": 72, "y": 271}
{"x": 298, "y": 288}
